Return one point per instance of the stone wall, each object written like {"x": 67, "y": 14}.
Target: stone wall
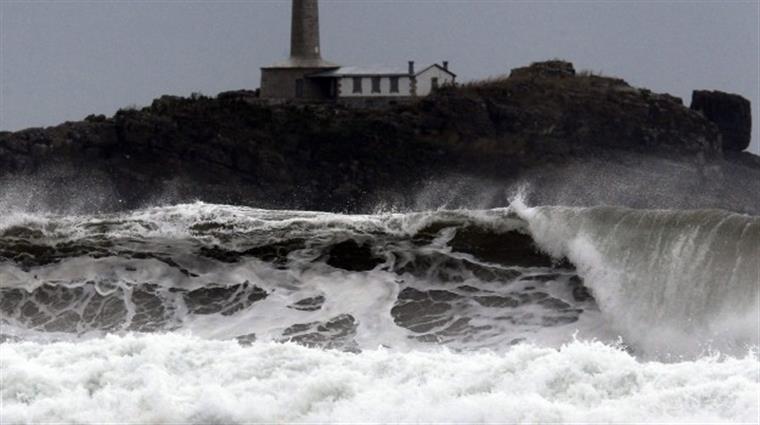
{"x": 280, "y": 83}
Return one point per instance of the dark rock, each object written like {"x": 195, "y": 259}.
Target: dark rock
{"x": 95, "y": 118}
{"x": 551, "y": 69}
{"x": 731, "y": 113}
{"x": 237, "y": 149}
{"x": 239, "y": 95}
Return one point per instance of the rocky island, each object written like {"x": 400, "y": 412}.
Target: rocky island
{"x": 237, "y": 148}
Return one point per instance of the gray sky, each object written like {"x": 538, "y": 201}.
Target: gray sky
{"x": 62, "y": 60}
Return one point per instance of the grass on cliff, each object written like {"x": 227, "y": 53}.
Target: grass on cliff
{"x": 583, "y": 80}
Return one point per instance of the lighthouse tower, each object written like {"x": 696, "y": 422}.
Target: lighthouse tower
{"x": 304, "y": 35}
{"x": 288, "y": 79}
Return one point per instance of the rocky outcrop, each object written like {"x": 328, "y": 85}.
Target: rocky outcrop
{"x": 552, "y": 69}
{"x": 235, "y": 148}
{"x": 730, "y": 112}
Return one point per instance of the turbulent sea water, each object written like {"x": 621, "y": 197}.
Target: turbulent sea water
{"x": 204, "y": 313}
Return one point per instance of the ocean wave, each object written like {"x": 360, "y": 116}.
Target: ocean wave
{"x": 668, "y": 282}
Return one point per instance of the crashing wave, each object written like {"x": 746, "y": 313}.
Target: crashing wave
{"x": 666, "y": 281}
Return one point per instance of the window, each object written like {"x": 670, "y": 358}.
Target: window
{"x": 375, "y": 84}
{"x": 434, "y": 83}
{"x": 299, "y": 88}
{"x": 394, "y": 84}
{"x": 357, "y": 84}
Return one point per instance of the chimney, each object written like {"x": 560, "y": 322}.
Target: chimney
{"x": 304, "y": 30}
{"x": 446, "y": 65}
{"x": 411, "y": 67}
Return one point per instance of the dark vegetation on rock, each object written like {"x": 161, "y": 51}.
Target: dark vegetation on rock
{"x": 236, "y": 149}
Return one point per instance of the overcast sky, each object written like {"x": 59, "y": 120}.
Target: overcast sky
{"x": 62, "y": 60}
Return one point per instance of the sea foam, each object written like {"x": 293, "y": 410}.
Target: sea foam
{"x": 177, "y": 378}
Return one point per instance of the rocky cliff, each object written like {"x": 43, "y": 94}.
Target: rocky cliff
{"x": 731, "y": 113}
{"x": 234, "y": 148}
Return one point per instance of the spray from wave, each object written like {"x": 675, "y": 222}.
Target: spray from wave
{"x": 672, "y": 281}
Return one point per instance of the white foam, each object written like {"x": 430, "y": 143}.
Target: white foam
{"x": 178, "y": 221}
{"x": 174, "y": 378}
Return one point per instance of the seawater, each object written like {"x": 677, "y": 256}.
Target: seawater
{"x": 205, "y": 313}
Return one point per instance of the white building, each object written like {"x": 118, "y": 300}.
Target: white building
{"x": 433, "y": 77}
{"x": 379, "y": 82}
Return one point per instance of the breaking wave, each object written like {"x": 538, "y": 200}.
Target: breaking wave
{"x": 518, "y": 314}
{"x": 671, "y": 281}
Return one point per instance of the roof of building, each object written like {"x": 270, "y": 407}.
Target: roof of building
{"x": 435, "y": 65}
{"x": 355, "y": 71}
{"x": 373, "y": 71}
{"x": 292, "y": 62}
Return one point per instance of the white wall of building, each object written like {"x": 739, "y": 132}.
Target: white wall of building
{"x": 346, "y": 87}
{"x": 425, "y": 78}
